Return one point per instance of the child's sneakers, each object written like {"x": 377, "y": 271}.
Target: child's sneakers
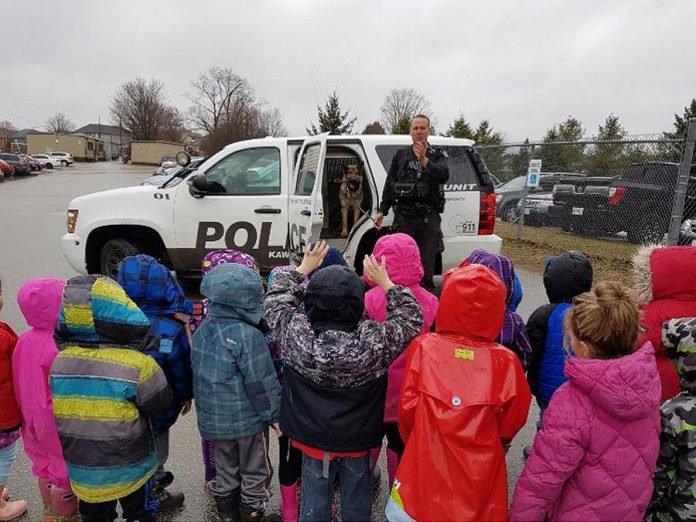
{"x": 167, "y": 499}
{"x": 11, "y": 510}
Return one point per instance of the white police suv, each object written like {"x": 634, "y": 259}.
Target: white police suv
{"x": 269, "y": 197}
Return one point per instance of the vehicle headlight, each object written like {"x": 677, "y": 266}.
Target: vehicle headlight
{"x": 72, "y": 221}
{"x": 498, "y": 199}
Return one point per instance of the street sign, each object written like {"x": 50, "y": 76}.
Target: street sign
{"x": 534, "y": 173}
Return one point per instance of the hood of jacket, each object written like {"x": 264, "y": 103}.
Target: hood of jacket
{"x": 472, "y": 303}
{"x": 665, "y": 272}
{"x": 96, "y": 312}
{"x": 151, "y": 286}
{"x": 234, "y": 291}
{"x": 567, "y": 276}
{"x": 679, "y": 337}
{"x": 226, "y": 255}
{"x": 39, "y": 300}
{"x": 334, "y": 299}
{"x": 500, "y": 264}
{"x": 627, "y": 387}
{"x": 402, "y": 258}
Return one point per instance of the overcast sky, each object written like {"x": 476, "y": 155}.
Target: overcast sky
{"x": 524, "y": 65}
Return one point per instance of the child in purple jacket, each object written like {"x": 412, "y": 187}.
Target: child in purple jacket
{"x": 595, "y": 455}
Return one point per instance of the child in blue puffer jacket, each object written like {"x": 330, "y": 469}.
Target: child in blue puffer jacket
{"x": 153, "y": 288}
{"x": 565, "y": 277}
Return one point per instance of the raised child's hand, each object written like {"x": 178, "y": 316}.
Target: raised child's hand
{"x": 377, "y": 272}
{"x": 313, "y": 258}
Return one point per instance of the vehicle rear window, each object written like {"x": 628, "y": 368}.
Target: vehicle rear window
{"x": 10, "y": 157}
{"x": 461, "y": 168}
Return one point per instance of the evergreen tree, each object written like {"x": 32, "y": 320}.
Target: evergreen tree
{"x": 486, "y": 135}
{"x": 403, "y": 126}
{"x": 331, "y": 119}
{"x": 608, "y": 159}
{"x": 374, "y": 128}
{"x": 681, "y": 123}
{"x": 566, "y": 157}
{"x": 460, "y": 128}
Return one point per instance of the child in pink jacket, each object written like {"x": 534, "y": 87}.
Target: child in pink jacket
{"x": 404, "y": 268}
{"x": 595, "y": 456}
{"x": 39, "y": 300}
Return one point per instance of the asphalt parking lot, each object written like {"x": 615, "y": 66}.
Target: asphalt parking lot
{"x": 32, "y": 213}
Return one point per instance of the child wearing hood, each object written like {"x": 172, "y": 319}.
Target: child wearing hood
{"x": 595, "y": 455}
{"x": 106, "y": 389}
{"x": 675, "y": 476}
{"x": 335, "y": 375}
{"x": 39, "y": 300}
{"x": 153, "y": 288}
{"x": 10, "y": 421}
{"x": 236, "y": 389}
{"x": 665, "y": 280}
{"x": 565, "y": 277}
{"x": 464, "y": 397}
{"x": 404, "y": 267}
{"x": 513, "y": 334}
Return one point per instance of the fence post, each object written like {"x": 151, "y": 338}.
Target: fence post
{"x": 682, "y": 184}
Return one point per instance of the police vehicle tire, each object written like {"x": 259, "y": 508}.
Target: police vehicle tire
{"x": 113, "y": 252}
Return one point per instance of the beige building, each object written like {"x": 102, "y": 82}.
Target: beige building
{"x": 81, "y": 146}
{"x": 151, "y": 152}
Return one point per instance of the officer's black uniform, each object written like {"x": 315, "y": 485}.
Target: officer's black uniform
{"x": 417, "y": 195}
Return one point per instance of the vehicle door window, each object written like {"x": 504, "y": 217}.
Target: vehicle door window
{"x": 461, "y": 169}
{"x": 309, "y": 166}
{"x": 251, "y": 172}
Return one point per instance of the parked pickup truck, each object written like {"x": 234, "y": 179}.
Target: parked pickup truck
{"x": 270, "y": 197}
{"x": 638, "y": 203}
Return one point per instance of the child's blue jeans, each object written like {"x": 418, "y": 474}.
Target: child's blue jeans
{"x": 7, "y": 457}
{"x": 355, "y": 478}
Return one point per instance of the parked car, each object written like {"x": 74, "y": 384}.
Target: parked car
{"x": 638, "y": 203}
{"x": 159, "y": 180}
{"x": 6, "y": 168}
{"x": 45, "y": 160}
{"x": 508, "y": 195}
{"x": 536, "y": 209}
{"x": 166, "y": 163}
{"x": 65, "y": 158}
{"x": 35, "y": 165}
{"x": 564, "y": 211}
{"x": 21, "y": 166}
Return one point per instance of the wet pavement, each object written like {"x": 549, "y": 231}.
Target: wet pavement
{"x": 32, "y": 214}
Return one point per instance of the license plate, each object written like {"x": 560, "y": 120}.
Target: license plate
{"x": 578, "y": 211}
{"x": 527, "y": 211}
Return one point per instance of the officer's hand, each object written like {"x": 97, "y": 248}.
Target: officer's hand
{"x": 378, "y": 221}
{"x": 419, "y": 149}
{"x": 186, "y": 408}
{"x": 313, "y": 258}
{"x": 377, "y": 272}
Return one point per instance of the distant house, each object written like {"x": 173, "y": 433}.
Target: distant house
{"x": 81, "y": 146}
{"x": 18, "y": 142}
{"x": 115, "y": 138}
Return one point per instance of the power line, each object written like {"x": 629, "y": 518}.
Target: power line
{"x": 32, "y": 123}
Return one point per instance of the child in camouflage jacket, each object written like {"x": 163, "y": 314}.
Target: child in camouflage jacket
{"x": 675, "y": 476}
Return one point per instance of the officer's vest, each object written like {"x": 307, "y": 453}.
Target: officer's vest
{"x": 552, "y": 362}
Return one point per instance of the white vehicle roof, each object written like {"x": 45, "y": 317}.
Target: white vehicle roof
{"x": 368, "y": 139}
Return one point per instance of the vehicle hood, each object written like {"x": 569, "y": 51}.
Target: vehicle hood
{"x": 234, "y": 291}
{"x": 665, "y": 272}
{"x": 472, "y": 303}
{"x": 402, "y": 259}
{"x": 39, "y": 300}
{"x": 152, "y": 286}
{"x": 112, "y": 193}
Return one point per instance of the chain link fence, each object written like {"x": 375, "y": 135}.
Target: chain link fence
{"x": 608, "y": 190}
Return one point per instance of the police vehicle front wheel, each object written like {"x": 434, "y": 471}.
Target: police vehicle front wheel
{"x": 113, "y": 252}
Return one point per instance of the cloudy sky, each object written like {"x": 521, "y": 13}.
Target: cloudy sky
{"x": 525, "y": 65}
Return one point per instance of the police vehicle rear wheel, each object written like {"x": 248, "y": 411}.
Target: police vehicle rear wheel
{"x": 113, "y": 252}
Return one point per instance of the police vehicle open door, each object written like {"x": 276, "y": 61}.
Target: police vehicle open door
{"x": 306, "y": 212}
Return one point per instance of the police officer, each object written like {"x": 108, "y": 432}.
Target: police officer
{"x": 414, "y": 188}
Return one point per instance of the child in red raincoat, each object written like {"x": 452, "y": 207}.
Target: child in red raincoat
{"x": 463, "y": 397}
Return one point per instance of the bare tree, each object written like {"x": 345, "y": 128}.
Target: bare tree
{"x": 402, "y": 104}
{"x": 172, "y": 127}
{"x": 141, "y": 107}
{"x": 217, "y": 92}
{"x": 272, "y": 122}
{"x": 7, "y": 130}
{"x": 59, "y": 123}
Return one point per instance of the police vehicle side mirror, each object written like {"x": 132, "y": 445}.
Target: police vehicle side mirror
{"x": 198, "y": 186}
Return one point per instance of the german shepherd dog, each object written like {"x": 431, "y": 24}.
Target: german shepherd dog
{"x": 351, "y": 194}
